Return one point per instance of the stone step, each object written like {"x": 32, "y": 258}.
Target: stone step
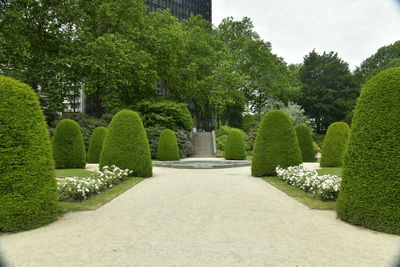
{"x": 202, "y": 144}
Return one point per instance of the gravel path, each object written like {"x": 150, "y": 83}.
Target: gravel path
{"x": 218, "y": 217}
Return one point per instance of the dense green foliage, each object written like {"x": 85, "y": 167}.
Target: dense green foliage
{"x": 248, "y": 122}
{"x": 370, "y": 190}
{"x": 126, "y": 145}
{"x": 165, "y": 114}
{"x": 264, "y": 75}
{"x": 276, "y": 145}
{"x": 235, "y": 148}
{"x": 335, "y": 144}
{"x": 64, "y": 44}
{"x": 28, "y": 191}
{"x": 329, "y": 90}
{"x": 296, "y": 112}
{"x": 68, "y": 146}
{"x": 306, "y": 143}
{"x": 184, "y": 140}
{"x": 386, "y": 57}
{"x": 251, "y": 138}
{"x": 167, "y": 146}
{"x": 96, "y": 144}
{"x": 222, "y": 135}
{"x": 87, "y": 123}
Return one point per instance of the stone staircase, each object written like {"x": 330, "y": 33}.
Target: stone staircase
{"x": 203, "y": 144}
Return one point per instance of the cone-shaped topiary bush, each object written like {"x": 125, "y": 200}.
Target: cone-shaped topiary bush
{"x": 370, "y": 189}
{"x": 334, "y": 144}
{"x": 235, "y": 147}
{"x": 126, "y": 145}
{"x": 306, "y": 143}
{"x": 68, "y": 145}
{"x": 28, "y": 190}
{"x": 96, "y": 144}
{"x": 167, "y": 146}
{"x": 276, "y": 144}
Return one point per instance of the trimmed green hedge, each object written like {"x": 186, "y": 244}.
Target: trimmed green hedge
{"x": 126, "y": 145}
{"x": 87, "y": 124}
{"x": 306, "y": 143}
{"x": 276, "y": 145}
{"x": 334, "y": 145}
{"x": 28, "y": 190}
{"x": 183, "y": 138}
{"x": 167, "y": 146}
{"x": 96, "y": 144}
{"x": 68, "y": 146}
{"x": 222, "y": 135}
{"x": 370, "y": 189}
{"x": 235, "y": 148}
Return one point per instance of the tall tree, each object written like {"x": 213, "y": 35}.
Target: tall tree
{"x": 209, "y": 73}
{"x": 265, "y": 75}
{"x": 32, "y": 35}
{"x": 385, "y": 57}
{"x": 164, "y": 39}
{"x": 329, "y": 91}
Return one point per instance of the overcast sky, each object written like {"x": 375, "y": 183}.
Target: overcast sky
{"x": 353, "y": 28}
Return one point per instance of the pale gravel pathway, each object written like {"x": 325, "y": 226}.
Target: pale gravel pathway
{"x": 201, "y": 218}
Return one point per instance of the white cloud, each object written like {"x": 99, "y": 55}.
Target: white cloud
{"x": 355, "y": 29}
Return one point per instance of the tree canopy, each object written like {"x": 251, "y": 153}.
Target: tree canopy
{"x": 329, "y": 91}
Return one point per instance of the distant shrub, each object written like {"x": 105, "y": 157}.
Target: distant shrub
{"x": 169, "y": 115}
{"x": 335, "y": 144}
{"x": 370, "y": 190}
{"x": 251, "y": 138}
{"x": 167, "y": 146}
{"x": 96, "y": 144}
{"x": 126, "y": 145}
{"x": 235, "y": 148}
{"x": 318, "y": 139}
{"x": 306, "y": 143}
{"x": 295, "y": 111}
{"x": 222, "y": 136}
{"x": 183, "y": 138}
{"x": 68, "y": 146}
{"x": 28, "y": 190}
{"x": 87, "y": 124}
{"x": 276, "y": 145}
{"x": 248, "y": 122}
{"x": 316, "y": 148}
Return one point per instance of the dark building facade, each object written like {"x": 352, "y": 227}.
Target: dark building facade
{"x": 183, "y": 9}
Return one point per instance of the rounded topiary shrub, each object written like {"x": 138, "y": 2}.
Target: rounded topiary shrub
{"x": 334, "y": 145}
{"x": 370, "y": 189}
{"x": 167, "y": 146}
{"x": 126, "y": 145}
{"x": 28, "y": 190}
{"x": 68, "y": 145}
{"x": 96, "y": 144}
{"x": 235, "y": 147}
{"x": 276, "y": 144}
{"x": 306, "y": 143}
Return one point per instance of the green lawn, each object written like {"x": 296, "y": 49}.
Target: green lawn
{"x": 72, "y": 173}
{"x": 307, "y": 199}
{"x": 99, "y": 200}
{"x": 331, "y": 171}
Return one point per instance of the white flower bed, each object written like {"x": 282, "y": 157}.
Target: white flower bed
{"x": 76, "y": 188}
{"x": 326, "y": 187}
